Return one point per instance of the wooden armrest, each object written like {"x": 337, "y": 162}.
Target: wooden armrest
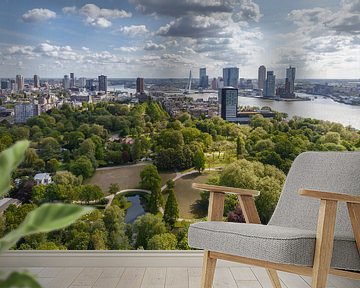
{"x": 323, "y": 195}
{"x": 228, "y": 190}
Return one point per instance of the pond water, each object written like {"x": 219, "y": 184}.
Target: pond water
{"x": 135, "y": 210}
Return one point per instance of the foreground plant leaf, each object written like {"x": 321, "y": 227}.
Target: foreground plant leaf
{"x": 20, "y": 280}
{"x": 9, "y": 160}
{"x": 46, "y": 218}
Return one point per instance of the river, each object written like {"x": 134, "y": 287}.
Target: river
{"x": 321, "y": 108}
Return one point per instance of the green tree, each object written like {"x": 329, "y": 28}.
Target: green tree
{"x": 90, "y": 193}
{"x": 50, "y": 148}
{"x": 114, "y": 223}
{"x": 166, "y": 241}
{"x": 67, "y": 178}
{"x": 199, "y": 161}
{"x": 82, "y": 166}
{"x": 52, "y": 165}
{"x": 114, "y": 188}
{"x": 151, "y": 180}
{"x": 38, "y": 194}
{"x": 171, "y": 212}
{"x": 15, "y": 215}
{"x": 30, "y": 157}
{"x": 257, "y": 176}
{"x": 240, "y": 147}
{"x": 87, "y": 148}
{"x": 170, "y": 138}
{"x": 145, "y": 227}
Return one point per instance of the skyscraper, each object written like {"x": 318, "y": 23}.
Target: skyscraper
{"x": 290, "y": 76}
{"x": 66, "y": 82}
{"x": 36, "y": 81}
{"x": 5, "y": 84}
{"x": 20, "y": 82}
{"x": 82, "y": 82}
{"x": 72, "y": 80}
{"x": 103, "y": 84}
{"x": 90, "y": 84}
{"x": 204, "y": 79}
{"x": 140, "y": 85}
{"x": 270, "y": 84}
{"x": 228, "y": 103}
{"x": 261, "y": 77}
{"x": 231, "y": 77}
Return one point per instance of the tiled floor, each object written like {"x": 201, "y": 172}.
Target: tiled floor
{"x": 144, "y": 270}
{"x": 171, "y": 277}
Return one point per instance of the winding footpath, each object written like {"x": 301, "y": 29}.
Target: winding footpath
{"x": 178, "y": 176}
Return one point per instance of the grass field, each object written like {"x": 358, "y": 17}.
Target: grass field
{"x": 129, "y": 177}
{"x": 126, "y": 176}
{"x": 186, "y": 195}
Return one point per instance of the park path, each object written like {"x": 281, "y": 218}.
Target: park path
{"x": 178, "y": 176}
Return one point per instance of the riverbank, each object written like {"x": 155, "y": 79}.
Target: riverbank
{"x": 321, "y": 108}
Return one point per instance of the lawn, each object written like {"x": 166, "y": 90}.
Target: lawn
{"x": 127, "y": 176}
{"x": 186, "y": 195}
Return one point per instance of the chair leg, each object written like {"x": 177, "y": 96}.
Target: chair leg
{"x": 274, "y": 278}
{"x": 208, "y": 271}
{"x": 324, "y": 243}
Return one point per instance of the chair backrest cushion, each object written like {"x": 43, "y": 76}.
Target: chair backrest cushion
{"x": 325, "y": 171}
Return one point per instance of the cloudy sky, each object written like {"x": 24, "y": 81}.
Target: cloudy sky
{"x": 167, "y": 38}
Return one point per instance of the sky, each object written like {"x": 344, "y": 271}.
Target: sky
{"x": 168, "y": 38}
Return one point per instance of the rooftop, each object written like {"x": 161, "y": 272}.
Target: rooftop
{"x": 143, "y": 269}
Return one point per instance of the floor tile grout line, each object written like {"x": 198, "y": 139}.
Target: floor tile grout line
{"x": 82, "y": 269}
{"x": 257, "y": 278}
{"x": 120, "y": 276}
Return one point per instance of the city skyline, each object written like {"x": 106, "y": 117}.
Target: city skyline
{"x": 163, "y": 39}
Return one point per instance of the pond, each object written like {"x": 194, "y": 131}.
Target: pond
{"x": 135, "y": 210}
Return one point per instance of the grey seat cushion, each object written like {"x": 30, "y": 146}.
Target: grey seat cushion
{"x": 270, "y": 243}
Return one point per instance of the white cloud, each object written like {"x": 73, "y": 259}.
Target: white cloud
{"x": 127, "y": 49}
{"x": 151, "y": 46}
{"x": 100, "y": 17}
{"x": 20, "y": 50}
{"x": 134, "y": 30}
{"x": 96, "y": 16}
{"x": 69, "y": 10}
{"x": 38, "y": 15}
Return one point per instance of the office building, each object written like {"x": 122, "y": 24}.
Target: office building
{"x": 140, "y": 85}
{"x": 72, "y": 80}
{"x": 20, "y": 82}
{"x": 36, "y": 81}
{"x": 82, "y": 82}
{"x": 228, "y": 103}
{"x": 90, "y": 85}
{"x": 231, "y": 77}
{"x": 103, "y": 84}
{"x": 12, "y": 85}
{"x": 5, "y": 84}
{"x": 203, "y": 79}
{"x": 261, "y": 77}
{"x": 214, "y": 84}
{"x": 24, "y": 111}
{"x": 290, "y": 81}
{"x": 270, "y": 84}
{"x": 66, "y": 82}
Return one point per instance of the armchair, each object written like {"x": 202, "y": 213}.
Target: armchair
{"x": 312, "y": 232}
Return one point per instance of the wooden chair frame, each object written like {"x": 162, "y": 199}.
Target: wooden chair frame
{"x": 324, "y": 236}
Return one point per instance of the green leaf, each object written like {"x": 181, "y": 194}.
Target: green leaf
{"x": 20, "y": 280}
{"x": 46, "y": 218}
{"x": 9, "y": 160}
